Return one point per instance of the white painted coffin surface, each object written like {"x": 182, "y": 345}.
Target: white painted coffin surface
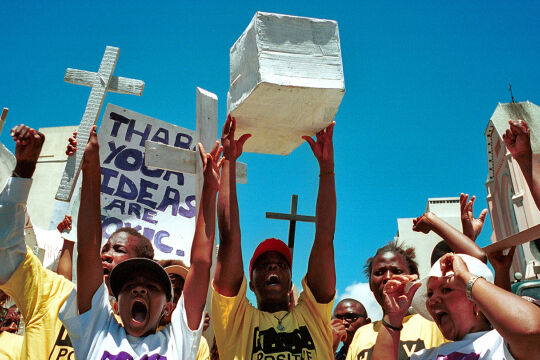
{"x": 286, "y": 80}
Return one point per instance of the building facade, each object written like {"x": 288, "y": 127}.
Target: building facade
{"x": 511, "y": 206}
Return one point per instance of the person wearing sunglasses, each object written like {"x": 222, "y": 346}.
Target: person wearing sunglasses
{"x": 349, "y": 315}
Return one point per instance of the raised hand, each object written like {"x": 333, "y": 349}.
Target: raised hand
{"x": 232, "y": 149}
{"x": 396, "y": 298}
{"x": 339, "y": 332}
{"x": 422, "y": 224}
{"x": 501, "y": 263}
{"x": 517, "y": 139}
{"x": 472, "y": 227}
{"x": 211, "y": 165}
{"x": 91, "y": 151}
{"x": 65, "y": 224}
{"x": 323, "y": 149}
{"x": 28, "y": 144}
{"x": 72, "y": 144}
{"x": 454, "y": 263}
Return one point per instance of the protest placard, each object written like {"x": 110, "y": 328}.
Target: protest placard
{"x": 160, "y": 204}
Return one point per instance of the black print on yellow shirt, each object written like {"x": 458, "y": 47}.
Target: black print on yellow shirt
{"x": 271, "y": 345}
{"x": 406, "y": 348}
{"x": 63, "y": 350}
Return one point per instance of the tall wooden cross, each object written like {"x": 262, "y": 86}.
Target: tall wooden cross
{"x": 293, "y": 217}
{"x": 166, "y": 157}
{"x": 101, "y": 82}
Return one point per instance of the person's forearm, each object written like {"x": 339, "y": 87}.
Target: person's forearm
{"x": 205, "y": 229}
{"x": 65, "y": 263}
{"x": 12, "y": 244}
{"x": 517, "y": 320}
{"x": 198, "y": 278}
{"x": 458, "y": 241}
{"x": 387, "y": 344}
{"x": 502, "y": 280}
{"x": 530, "y": 168}
{"x": 89, "y": 218}
{"x": 321, "y": 267}
{"x": 229, "y": 267}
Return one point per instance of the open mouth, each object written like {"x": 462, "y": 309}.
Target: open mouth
{"x": 273, "y": 279}
{"x": 440, "y": 316}
{"x": 138, "y": 311}
{"x": 106, "y": 270}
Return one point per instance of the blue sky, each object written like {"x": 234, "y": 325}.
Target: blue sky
{"x": 422, "y": 80}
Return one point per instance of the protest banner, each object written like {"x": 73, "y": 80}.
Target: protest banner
{"x": 160, "y": 204}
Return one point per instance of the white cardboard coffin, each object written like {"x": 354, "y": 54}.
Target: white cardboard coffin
{"x": 287, "y": 80}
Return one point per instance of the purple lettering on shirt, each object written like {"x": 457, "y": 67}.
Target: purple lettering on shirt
{"x": 125, "y": 356}
{"x": 459, "y": 356}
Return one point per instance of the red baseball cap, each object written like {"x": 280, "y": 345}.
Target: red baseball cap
{"x": 271, "y": 244}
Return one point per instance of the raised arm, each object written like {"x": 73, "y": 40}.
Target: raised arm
{"x": 229, "y": 267}
{"x": 65, "y": 262}
{"x": 198, "y": 277}
{"x": 321, "y": 275}
{"x": 517, "y": 320}
{"x": 89, "y": 265}
{"x": 397, "y": 300}
{"x": 518, "y": 142}
{"x": 501, "y": 264}
{"x": 28, "y": 144}
{"x": 453, "y": 237}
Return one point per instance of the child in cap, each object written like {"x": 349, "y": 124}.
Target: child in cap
{"x": 141, "y": 286}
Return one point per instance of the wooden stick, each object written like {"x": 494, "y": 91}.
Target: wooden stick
{"x": 522, "y": 237}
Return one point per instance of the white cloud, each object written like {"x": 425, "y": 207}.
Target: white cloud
{"x": 362, "y": 293}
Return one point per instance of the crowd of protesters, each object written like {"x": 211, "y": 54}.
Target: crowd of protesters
{"x": 126, "y": 305}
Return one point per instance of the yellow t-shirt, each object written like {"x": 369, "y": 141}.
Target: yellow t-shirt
{"x": 10, "y": 346}
{"x": 204, "y": 351}
{"x": 39, "y": 294}
{"x": 418, "y": 333}
{"x": 245, "y": 333}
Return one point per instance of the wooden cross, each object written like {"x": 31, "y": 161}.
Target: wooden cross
{"x": 101, "y": 82}
{"x": 293, "y": 218}
{"x": 166, "y": 157}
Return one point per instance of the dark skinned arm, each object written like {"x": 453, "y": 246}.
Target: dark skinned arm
{"x": 518, "y": 141}
{"x": 452, "y": 236}
{"x": 198, "y": 277}
{"x": 229, "y": 266}
{"x": 321, "y": 275}
{"x": 89, "y": 226}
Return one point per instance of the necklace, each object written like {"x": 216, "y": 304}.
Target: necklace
{"x": 280, "y": 326}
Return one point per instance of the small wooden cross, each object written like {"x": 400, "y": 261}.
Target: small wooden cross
{"x": 293, "y": 218}
{"x": 101, "y": 82}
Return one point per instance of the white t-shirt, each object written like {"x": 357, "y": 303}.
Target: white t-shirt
{"x": 96, "y": 334}
{"x": 482, "y": 345}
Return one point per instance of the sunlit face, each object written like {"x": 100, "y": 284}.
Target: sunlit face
{"x": 384, "y": 266}
{"x": 352, "y": 315}
{"x": 449, "y": 307}
{"x": 121, "y": 246}
{"x": 271, "y": 279}
{"x": 142, "y": 303}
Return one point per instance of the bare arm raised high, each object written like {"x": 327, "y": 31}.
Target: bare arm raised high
{"x": 229, "y": 267}
{"x": 518, "y": 142}
{"x": 89, "y": 226}
{"x": 321, "y": 275}
{"x": 198, "y": 277}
